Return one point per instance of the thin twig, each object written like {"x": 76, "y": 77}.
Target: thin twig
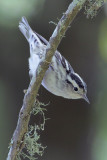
{"x": 29, "y": 98}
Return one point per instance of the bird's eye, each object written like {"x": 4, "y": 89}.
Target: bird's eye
{"x": 75, "y": 89}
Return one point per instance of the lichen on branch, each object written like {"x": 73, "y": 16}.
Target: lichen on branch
{"x": 32, "y": 146}
{"x": 92, "y": 7}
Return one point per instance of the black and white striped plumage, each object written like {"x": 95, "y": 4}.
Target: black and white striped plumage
{"x": 60, "y": 78}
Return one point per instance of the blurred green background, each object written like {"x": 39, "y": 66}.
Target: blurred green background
{"x": 76, "y": 130}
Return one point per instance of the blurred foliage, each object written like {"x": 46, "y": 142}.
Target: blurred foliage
{"x": 12, "y": 10}
{"x": 103, "y": 39}
{"x": 99, "y": 148}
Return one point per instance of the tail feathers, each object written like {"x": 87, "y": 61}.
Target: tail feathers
{"x": 30, "y": 35}
{"x": 42, "y": 39}
{"x": 25, "y": 28}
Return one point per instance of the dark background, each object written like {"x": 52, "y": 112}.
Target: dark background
{"x": 76, "y": 130}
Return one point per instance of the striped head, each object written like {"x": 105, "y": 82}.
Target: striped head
{"x": 79, "y": 87}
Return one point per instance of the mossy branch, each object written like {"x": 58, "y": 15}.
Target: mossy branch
{"x": 17, "y": 142}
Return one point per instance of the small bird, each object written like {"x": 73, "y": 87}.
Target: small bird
{"x": 60, "y": 78}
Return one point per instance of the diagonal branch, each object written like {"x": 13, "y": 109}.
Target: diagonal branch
{"x": 29, "y": 98}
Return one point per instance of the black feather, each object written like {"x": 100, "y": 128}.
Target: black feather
{"x": 77, "y": 80}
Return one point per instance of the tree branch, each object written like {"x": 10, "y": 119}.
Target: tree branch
{"x": 29, "y": 98}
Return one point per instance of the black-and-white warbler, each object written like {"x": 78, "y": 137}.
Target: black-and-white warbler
{"x": 60, "y": 78}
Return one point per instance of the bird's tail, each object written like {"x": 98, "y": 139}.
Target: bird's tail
{"x": 27, "y": 31}
{"x": 25, "y": 28}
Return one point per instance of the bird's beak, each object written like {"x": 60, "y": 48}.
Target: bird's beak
{"x": 86, "y": 99}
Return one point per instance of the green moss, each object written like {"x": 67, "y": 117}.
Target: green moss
{"x": 92, "y": 7}
{"x": 32, "y": 146}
